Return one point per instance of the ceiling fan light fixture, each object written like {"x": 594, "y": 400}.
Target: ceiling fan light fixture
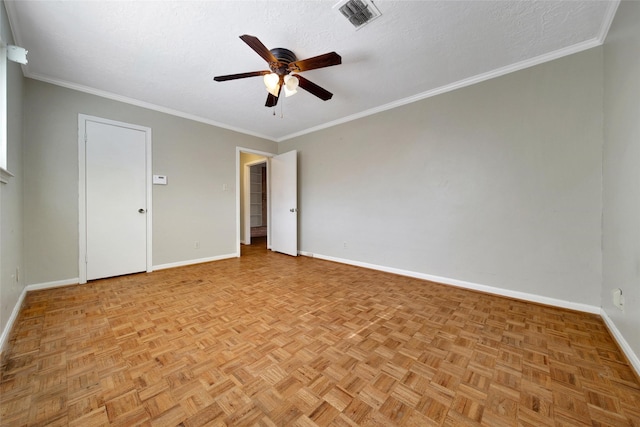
{"x": 272, "y": 82}
{"x": 290, "y": 85}
{"x": 275, "y": 91}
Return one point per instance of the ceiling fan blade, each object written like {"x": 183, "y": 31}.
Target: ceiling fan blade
{"x": 320, "y": 61}
{"x": 271, "y": 101}
{"x": 313, "y": 88}
{"x": 241, "y": 75}
{"x": 259, "y": 48}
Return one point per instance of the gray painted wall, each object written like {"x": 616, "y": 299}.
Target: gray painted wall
{"x": 497, "y": 184}
{"x": 197, "y": 158}
{"x": 621, "y": 196}
{"x": 11, "y": 223}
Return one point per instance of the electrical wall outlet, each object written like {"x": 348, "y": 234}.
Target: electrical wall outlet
{"x": 618, "y": 299}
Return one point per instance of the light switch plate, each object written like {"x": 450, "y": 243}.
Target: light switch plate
{"x": 160, "y": 179}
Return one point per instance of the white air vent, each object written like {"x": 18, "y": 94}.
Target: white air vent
{"x": 358, "y": 12}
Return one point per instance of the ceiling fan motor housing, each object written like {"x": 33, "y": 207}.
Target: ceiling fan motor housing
{"x": 284, "y": 57}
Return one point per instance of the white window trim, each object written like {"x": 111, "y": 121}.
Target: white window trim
{"x": 4, "y": 146}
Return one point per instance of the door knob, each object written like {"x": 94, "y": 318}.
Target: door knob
{"x": 293, "y": 210}
{"x": 141, "y": 210}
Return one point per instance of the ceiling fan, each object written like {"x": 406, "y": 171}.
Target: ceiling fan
{"x": 282, "y": 66}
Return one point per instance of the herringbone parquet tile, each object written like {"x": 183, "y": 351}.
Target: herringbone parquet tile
{"x": 272, "y": 340}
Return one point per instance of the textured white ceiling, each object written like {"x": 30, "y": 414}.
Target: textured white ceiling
{"x": 164, "y": 54}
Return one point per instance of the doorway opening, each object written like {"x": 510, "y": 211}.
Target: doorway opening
{"x": 258, "y": 201}
{"x": 253, "y": 204}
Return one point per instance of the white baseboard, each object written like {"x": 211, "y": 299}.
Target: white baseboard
{"x": 55, "y": 284}
{"x": 16, "y": 309}
{"x": 624, "y": 345}
{"x": 466, "y": 285}
{"x": 194, "y": 261}
{"x": 14, "y": 315}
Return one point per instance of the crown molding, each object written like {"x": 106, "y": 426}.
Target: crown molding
{"x": 589, "y": 44}
{"x": 143, "y": 104}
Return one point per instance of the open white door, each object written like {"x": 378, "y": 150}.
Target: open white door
{"x": 284, "y": 203}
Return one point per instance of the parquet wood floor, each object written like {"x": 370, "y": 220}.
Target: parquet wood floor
{"x": 272, "y": 340}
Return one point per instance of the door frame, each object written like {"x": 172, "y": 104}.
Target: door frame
{"x": 82, "y": 189}
{"x": 239, "y": 192}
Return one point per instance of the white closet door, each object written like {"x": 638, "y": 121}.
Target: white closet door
{"x": 116, "y": 200}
